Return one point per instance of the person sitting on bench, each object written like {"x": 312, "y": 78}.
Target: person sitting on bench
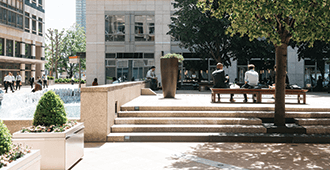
{"x": 251, "y": 80}
{"x": 219, "y": 80}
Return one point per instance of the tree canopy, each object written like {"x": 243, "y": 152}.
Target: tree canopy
{"x": 278, "y": 22}
{"x": 205, "y": 35}
{"x": 62, "y": 44}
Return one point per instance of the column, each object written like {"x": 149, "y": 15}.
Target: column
{"x": 33, "y": 51}
{"x": 22, "y": 73}
{"x": 22, "y": 50}
{"x": 33, "y": 71}
{"x": 5, "y": 47}
{"x": 14, "y": 48}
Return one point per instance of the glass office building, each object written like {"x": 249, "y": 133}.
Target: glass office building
{"x": 81, "y": 13}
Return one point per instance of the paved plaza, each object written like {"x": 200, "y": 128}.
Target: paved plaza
{"x": 202, "y": 156}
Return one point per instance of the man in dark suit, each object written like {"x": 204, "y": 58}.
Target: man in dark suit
{"x": 219, "y": 80}
{"x": 31, "y": 81}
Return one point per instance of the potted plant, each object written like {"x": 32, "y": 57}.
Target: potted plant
{"x": 51, "y": 80}
{"x": 16, "y": 156}
{"x": 169, "y": 73}
{"x": 61, "y": 143}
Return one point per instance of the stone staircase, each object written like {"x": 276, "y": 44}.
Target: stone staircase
{"x": 202, "y": 124}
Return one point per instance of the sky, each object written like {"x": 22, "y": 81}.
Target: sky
{"x": 60, "y": 13}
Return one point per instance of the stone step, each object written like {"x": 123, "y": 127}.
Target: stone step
{"x": 237, "y": 114}
{"x": 173, "y": 120}
{"x": 317, "y": 129}
{"x": 189, "y": 128}
{"x": 217, "y": 108}
{"x": 312, "y": 121}
{"x": 216, "y": 137}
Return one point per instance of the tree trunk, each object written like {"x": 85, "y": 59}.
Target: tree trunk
{"x": 281, "y": 66}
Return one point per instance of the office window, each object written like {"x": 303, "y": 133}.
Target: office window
{"x": 17, "y": 49}
{"x": 11, "y": 18}
{"x": 144, "y": 28}
{"x": 34, "y": 24}
{"x": 149, "y": 55}
{"x": 114, "y": 28}
{"x": 19, "y": 21}
{"x": 110, "y": 55}
{"x": 3, "y": 15}
{"x": 40, "y": 26}
{"x": 27, "y": 22}
{"x": 9, "y": 48}
{"x": 2, "y": 44}
{"x": 40, "y": 2}
{"x": 27, "y": 50}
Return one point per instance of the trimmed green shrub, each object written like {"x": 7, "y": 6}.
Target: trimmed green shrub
{"x": 50, "y": 110}
{"x": 83, "y": 81}
{"x": 50, "y": 78}
{"x": 5, "y": 139}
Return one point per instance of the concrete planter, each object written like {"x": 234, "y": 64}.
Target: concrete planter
{"x": 169, "y": 71}
{"x": 51, "y": 82}
{"x": 30, "y": 161}
{"x": 58, "y": 150}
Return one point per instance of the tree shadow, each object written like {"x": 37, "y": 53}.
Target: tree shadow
{"x": 258, "y": 156}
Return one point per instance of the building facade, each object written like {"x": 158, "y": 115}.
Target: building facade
{"x": 126, "y": 37}
{"x": 22, "y": 25}
{"x": 81, "y": 13}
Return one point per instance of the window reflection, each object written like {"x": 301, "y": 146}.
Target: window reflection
{"x": 144, "y": 28}
{"x": 114, "y": 28}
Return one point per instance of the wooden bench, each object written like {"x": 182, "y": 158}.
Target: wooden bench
{"x": 258, "y": 93}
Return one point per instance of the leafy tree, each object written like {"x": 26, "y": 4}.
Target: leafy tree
{"x": 53, "y": 48}
{"x": 74, "y": 41}
{"x": 205, "y": 35}
{"x": 279, "y": 22}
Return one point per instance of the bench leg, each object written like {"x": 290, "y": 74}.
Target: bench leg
{"x": 218, "y": 97}
{"x": 259, "y": 98}
{"x": 304, "y": 98}
{"x": 298, "y": 98}
{"x": 213, "y": 97}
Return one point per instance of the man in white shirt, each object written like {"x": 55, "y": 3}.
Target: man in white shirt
{"x": 8, "y": 81}
{"x": 251, "y": 80}
{"x": 152, "y": 76}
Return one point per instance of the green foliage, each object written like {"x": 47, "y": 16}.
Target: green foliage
{"x": 83, "y": 81}
{"x": 278, "y": 21}
{"x": 205, "y": 36}
{"x": 50, "y": 110}
{"x": 173, "y": 55}
{"x": 74, "y": 41}
{"x": 5, "y": 138}
{"x": 50, "y": 78}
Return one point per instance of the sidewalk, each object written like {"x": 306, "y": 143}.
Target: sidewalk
{"x": 204, "y": 156}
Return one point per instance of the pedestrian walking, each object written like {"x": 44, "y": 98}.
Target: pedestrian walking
{"x": 8, "y": 83}
{"x": 18, "y": 81}
{"x": 31, "y": 80}
{"x": 13, "y": 81}
{"x": 44, "y": 79}
{"x": 72, "y": 80}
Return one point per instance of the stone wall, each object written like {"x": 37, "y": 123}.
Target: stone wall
{"x": 99, "y": 105}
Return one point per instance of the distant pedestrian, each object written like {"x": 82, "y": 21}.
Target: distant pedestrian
{"x": 13, "y": 80}
{"x": 44, "y": 79}
{"x": 95, "y": 82}
{"x": 31, "y": 80}
{"x": 18, "y": 81}
{"x": 7, "y": 80}
{"x": 72, "y": 80}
